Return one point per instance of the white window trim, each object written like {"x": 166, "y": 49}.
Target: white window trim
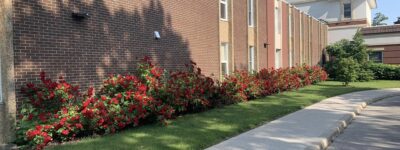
{"x": 225, "y": 2}
{"x": 291, "y": 44}
{"x": 301, "y": 37}
{"x": 278, "y": 21}
{"x": 351, "y": 11}
{"x": 222, "y": 60}
{"x": 278, "y": 62}
{"x": 251, "y": 13}
{"x": 252, "y": 64}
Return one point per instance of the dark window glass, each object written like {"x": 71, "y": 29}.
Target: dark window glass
{"x": 376, "y": 57}
{"x": 223, "y": 10}
{"x": 250, "y": 9}
{"x": 224, "y": 69}
{"x": 347, "y": 10}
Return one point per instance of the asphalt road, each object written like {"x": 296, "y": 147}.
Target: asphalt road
{"x": 376, "y": 128}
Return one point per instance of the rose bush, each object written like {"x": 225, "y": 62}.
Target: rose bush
{"x": 240, "y": 86}
{"x": 189, "y": 89}
{"x": 55, "y": 111}
{"x": 275, "y": 81}
{"x": 49, "y": 113}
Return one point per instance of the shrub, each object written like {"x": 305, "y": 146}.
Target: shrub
{"x": 384, "y": 71}
{"x": 48, "y": 113}
{"x": 135, "y": 98}
{"x": 347, "y": 70}
{"x": 345, "y": 52}
{"x": 57, "y": 112}
{"x": 275, "y": 81}
{"x": 240, "y": 86}
{"x": 269, "y": 81}
{"x": 189, "y": 90}
{"x": 365, "y": 74}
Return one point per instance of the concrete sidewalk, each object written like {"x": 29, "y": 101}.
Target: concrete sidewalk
{"x": 311, "y": 128}
{"x": 376, "y": 128}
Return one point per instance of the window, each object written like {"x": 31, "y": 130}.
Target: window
{"x": 301, "y": 38}
{"x": 290, "y": 58}
{"x": 224, "y": 59}
{"x": 252, "y": 66}
{"x": 376, "y": 56}
{"x": 250, "y": 5}
{"x": 277, "y": 20}
{"x": 278, "y": 58}
{"x": 290, "y": 26}
{"x": 224, "y": 9}
{"x": 347, "y": 10}
{"x": 290, "y": 41}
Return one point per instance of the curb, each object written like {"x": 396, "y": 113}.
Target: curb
{"x": 344, "y": 122}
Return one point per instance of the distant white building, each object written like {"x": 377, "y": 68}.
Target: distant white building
{"x": 344, "y": 17}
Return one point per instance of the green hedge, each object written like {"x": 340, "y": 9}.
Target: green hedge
{"x": 385, "y": 71}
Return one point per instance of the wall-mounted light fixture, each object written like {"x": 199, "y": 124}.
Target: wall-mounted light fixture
{"x": 157, "y": 35}
{"x": 80, "y": 15}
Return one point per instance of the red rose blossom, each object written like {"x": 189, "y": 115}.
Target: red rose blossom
{"x": 65, "y": 132}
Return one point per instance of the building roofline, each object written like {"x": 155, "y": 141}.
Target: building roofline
{"x": 381, "y": 29}
{"x": 292, "y": 5}
{"x": 372, "y": 3}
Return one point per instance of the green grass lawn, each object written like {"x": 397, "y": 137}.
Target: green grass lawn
{"x": 199, "y": 131}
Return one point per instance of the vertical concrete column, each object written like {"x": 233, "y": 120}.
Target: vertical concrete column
{"x": 8, "y": 102}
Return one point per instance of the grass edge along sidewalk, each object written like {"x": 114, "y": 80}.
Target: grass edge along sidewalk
{"x": 199, "y": 131}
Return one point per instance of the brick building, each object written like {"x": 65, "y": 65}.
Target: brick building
{"x": 86, "y": 40}
{"x": 384, "y": 42}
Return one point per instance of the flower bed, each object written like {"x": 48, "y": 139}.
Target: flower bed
{"x": 57, "y": 112}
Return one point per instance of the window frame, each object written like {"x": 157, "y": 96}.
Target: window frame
{"x": 278, "y": 62}
{"x": 251, "y": 59}
{"x": 291, "y": 42}
{"x": 301, "y": 34}
{"x": 278, "y": 20}
{"x": 225, "y": 3}
{"x": 349, "y": 11}
{"x": 378, "y": 51}
{"x": 250, "y": 12}
{"x": 224, "y": 58}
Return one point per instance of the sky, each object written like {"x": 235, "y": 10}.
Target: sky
{"x": 390, "y": 8}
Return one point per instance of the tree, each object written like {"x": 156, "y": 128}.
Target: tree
{"x": 348, "y": 70}
{"x": 378, "y": 19}
{"x": 348, "y": 59}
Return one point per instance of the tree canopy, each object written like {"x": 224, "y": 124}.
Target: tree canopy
{"x": 379, "y": 19}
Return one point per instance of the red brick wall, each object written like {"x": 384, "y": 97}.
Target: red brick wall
{"x": 117, "y": 34}
{"x": 270, "y": 33}
{"x": 306, "y": 39}
{"x": 112, "y": 40}
{"x": 315, "y": 43}
{"x": 262, "y": 34}
{"x": 285, "y": 35}
{"x": 239, "y": 24}
{"x": 391, "y": 53}
{"x": 296, "y": 31}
